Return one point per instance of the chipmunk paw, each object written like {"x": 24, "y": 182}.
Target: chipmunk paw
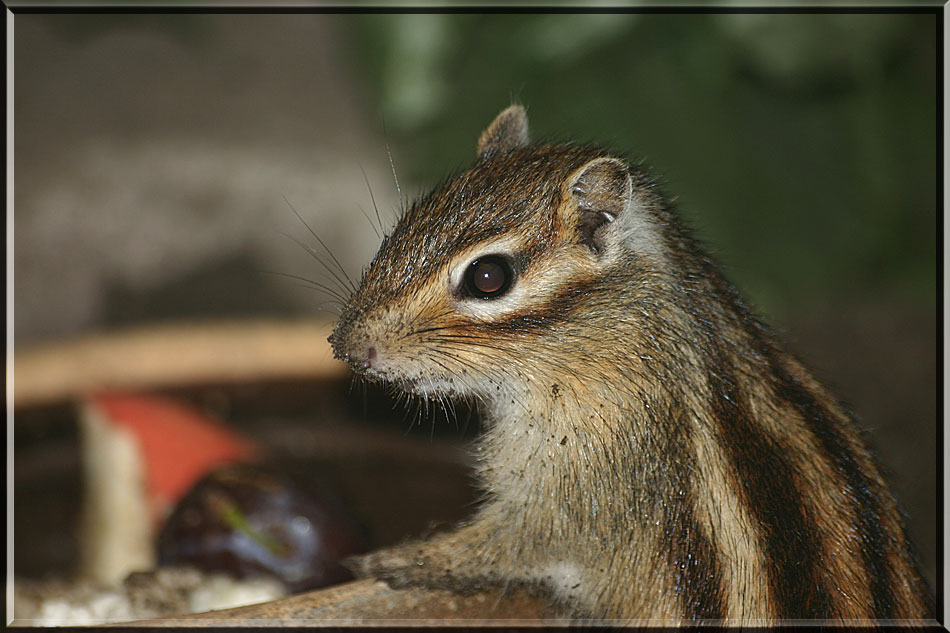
{"x": 402, "y": 566}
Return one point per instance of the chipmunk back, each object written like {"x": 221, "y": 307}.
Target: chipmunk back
{"x": 650, "y": 451}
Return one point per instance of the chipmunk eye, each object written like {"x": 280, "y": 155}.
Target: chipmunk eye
{"x": 488, "y": 277}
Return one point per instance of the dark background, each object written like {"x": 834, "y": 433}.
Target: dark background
{"x": 152, "y": 155}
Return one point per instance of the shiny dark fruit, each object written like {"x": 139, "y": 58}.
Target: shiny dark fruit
{"x": 250, "y": 521}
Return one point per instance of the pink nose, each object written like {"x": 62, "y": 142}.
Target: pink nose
{"x": 370, "y": 357}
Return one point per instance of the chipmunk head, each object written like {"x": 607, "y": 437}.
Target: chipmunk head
{"x": 484, "y": 282}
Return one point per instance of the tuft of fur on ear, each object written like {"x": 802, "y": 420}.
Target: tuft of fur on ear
{"x": 601, "y": 189}
{"x": 508, "y": 131}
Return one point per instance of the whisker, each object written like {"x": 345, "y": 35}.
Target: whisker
{"x": 316, "y": 257}
{"x": 316, "y": 237}
{"x": 321, "y": 242}
{"x": 392, "y": 165}
{"x": 372, "y": 197}
{"x": 321, "y": 307}
{"x": 312, "y": 284}
{"x": 366, "y": 215}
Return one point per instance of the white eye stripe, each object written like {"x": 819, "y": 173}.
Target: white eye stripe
{"x": 492, "y": 310}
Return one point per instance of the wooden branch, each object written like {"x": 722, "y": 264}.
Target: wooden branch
{"x": 366, "y": 602}
{"x": 174, "y": 355}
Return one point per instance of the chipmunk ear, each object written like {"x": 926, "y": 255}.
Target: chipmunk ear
{"x": 509, "y": 130}
{"x": 601, "y": 190}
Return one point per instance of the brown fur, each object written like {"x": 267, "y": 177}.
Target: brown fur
{"x": 651, "y": 452}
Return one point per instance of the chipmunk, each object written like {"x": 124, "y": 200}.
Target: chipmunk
{"x": 650, "y": 452}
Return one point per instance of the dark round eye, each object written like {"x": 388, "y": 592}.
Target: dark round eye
{"x": 489, "y": 277}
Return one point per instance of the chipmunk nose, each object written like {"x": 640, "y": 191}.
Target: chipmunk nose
{"x": 370, "y": 357}
{"x": 361, "y": 360}
{"x": 357, "y": 355}
{"x": 355, "y": 346}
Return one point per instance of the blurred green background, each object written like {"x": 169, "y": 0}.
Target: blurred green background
{"x": 802, "y": 147}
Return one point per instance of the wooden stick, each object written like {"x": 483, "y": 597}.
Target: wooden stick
{"x": 174, "y": 355}
{"x": 372, "y": 602}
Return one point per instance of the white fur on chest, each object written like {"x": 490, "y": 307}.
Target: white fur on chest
{"x": 565, "y": 577}
{"x": 526, "y": 461}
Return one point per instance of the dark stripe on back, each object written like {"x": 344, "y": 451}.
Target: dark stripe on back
{"x": 696, "y": 567}
{"x": 874, "y": 538}
{"x": 768, "y": 487}
{"x": 693, "y": 558}
{"x": 824, "y": 426}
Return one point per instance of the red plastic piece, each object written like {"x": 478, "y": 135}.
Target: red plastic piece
{"x": 179, "y": 444}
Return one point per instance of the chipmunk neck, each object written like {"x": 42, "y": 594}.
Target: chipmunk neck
{"x": 563, "y": 434}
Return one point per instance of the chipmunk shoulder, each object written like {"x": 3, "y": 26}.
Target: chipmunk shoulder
{"x": 650, "y": 452}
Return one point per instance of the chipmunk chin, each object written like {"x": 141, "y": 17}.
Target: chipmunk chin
{"x": 432, "y": 388}
{"x": 424, "y": 386}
